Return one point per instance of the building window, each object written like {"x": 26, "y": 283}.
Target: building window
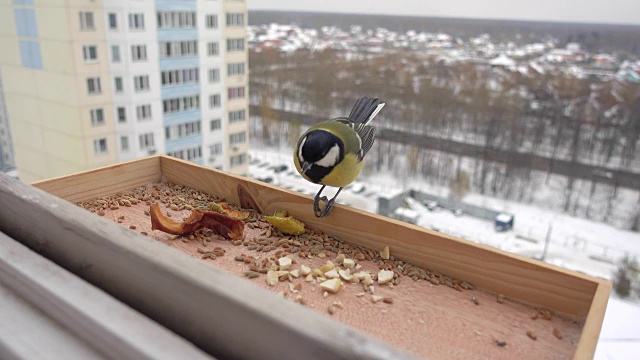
{"x": 146, "y": 141}
{"x": 235, "y": 69}
{"x": 190, "y": 154}
{"x": 30, "y": 56}
{"x": 182, "y": 130}
{"x": 194, "y": 153}
{"x": 236, "y": 93}
{"x": 178, "y": 48}
{"x": 235, "y": 44}
{"x": 176, "y": 20}
{"x": 124, "y": 143}
{"x": 97, "y": 117}
{"x": 237, "y": 160}
{"x": 177, "y": 154}
{"x": 237, "y": 116}
{"x": 213, "y": 49}
{"x": 214, "y": 101}
{"x": 90, "y": 53}
{"x": 117, "y": 84}
{"x": 214, "y": 75}
{"x": 179, "y": 77}
{"x": 143, "y": 112}
{"x": 86, "y": 21}
{"x": 215, "y": 149}
{"x": 181, "y": 104}
{"x": 215, "y": 124}
{"x": 212, "y": 21}
{"x": 235, "y": 19}
{"x": 136, "y": 21}
{"x": 115, "y": 53}
{"x": 138, "y": 52}
{"x": 113, "y": 21}
{"x": 100, "y": 146}
{"x": 122, "y": 114}
{"x": 238, "y": 138}
{"x": 141, "y": 83}
{"x": 93, "y": 86}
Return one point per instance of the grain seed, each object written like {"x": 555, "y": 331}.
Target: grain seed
{"x": 532, "y": 335}
{"x": 534, "y": 315}
{"x": 557, "y": 333}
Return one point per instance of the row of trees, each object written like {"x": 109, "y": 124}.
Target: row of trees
{"x": 551, "y": 114}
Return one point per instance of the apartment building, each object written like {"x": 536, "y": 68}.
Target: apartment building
{"x": 6, "y": 148}
{"x": 91, "y": 83}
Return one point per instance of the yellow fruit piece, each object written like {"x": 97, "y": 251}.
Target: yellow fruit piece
{"x": 287, "y": 224}
{"x": 224, "y": 208}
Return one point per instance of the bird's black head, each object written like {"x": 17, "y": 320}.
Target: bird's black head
{"x": 320, "y": 150}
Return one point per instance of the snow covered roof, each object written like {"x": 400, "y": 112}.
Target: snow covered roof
{"x": 406, "y": 213}
{"x": 502, "y": 60}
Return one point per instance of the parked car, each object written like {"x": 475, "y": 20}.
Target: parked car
{"x": 358, "y": 188}
{"x": 430, "y": 204}
{"x": 280, "y": 168}
{"x": 504, "y": 222}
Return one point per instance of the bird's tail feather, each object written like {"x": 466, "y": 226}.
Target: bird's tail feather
{"x": 365, "y": 109}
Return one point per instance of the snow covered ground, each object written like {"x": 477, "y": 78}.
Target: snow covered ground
{"x": 574, "y": 243}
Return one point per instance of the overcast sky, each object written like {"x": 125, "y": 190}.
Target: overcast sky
{"x": 601, "y": 11}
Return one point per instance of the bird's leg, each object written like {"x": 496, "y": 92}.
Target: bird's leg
{"x": 316, "y": 202}
{"x": 328, "y": 207}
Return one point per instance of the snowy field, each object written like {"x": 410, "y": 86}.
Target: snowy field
{"x": 574, "y": 243}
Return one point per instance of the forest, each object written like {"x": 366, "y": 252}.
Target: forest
{"x": 497, "y": 116}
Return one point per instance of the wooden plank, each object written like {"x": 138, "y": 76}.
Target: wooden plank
{"x": 224, "y": 315}
{"x": 591, "y": 329}
{"x": 87, "y": 318}
{"x": 27, "y": 333}
{"x": 517, "y": 277}
{"x": 92, "y": 184}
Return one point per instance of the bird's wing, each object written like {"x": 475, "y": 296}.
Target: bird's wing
{"x": 367, "y": 135}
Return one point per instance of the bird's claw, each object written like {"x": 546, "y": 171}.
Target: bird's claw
{"x": 322, "y": 212}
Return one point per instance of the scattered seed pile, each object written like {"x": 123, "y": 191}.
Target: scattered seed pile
{"x": 368, "y": 289}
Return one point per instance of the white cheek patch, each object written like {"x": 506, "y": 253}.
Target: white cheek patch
{"x": 300, "y": 157}
{"x": 331, "y": 158}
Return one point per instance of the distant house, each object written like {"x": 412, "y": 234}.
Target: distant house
{"x": 629, "y": 75}
{"x": 629, "y": 72}
{"x": 502, "y": 60}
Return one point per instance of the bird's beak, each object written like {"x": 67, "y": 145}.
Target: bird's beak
{"x": 306, "y": 166}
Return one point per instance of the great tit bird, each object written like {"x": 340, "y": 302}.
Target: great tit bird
{"x": 331, "y": 152}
